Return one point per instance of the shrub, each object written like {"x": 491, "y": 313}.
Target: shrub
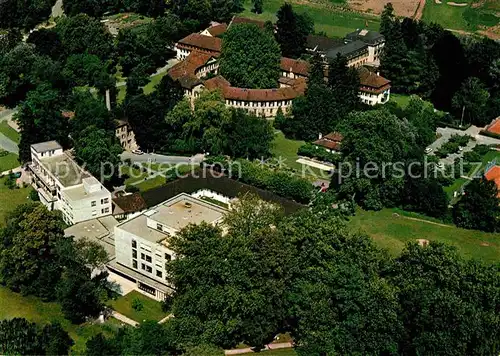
{"x": 461, "y": 140}
{"x": 131, "y": 188}
{"x": 33, "y": 195}
{"x": 137, "y": 304}
{"x": 472, "y": 157}
{"x": 3, "y": 153}
{"x": 312, "y": 151}
{"x": 481, "y": 149}
{"x": 282, "y": 183}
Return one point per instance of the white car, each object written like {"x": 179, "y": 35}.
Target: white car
{"x": 428, "y": 150}
{"x": 137, "y": 152}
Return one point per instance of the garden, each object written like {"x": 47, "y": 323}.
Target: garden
{"x": 454, "y": 144}
{"x": 138, "y": 307}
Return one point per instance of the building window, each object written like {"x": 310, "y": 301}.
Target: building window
{"x": 93, "y": 203}
{"x": 105, "y": 201}
{"x": 168, "y": 257}
{"x": 134, "y": 244}
{"x": 148, "y": 258}
{"x": 134, "y": 253}
{"x": 94, "y": 213}
{"x": 105, "y": 210}
{"x": 159, "y": 274}
{"x": 159, "y": 227}
{"x": 134, "y": 264}
{"x": 143, "y": 256}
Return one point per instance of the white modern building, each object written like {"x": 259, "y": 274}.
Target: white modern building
{"x": 142, "y": 243}
{"x": 63, "y": 185}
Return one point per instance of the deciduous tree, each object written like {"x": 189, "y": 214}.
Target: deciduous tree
{"x": 292, "y": 31}
{"x": 25, "y": 14}
{"x": 250, "y": 57}
{"x": 479, "y": 206}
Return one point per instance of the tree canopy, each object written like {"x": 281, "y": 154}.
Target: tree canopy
{"x": 292, "y": 31}
{"x": 24, "y": 14}
{"x": 250, "y": 57}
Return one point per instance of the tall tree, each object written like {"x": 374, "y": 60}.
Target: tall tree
{"x": 240, "y": 299}
{"x": 344, "y": 82}
{"x": 28, "y": 261}
{"x": 98, "y": 152}
{"x": 387, "y": 20}
{"x": 338, "y": 302}
{"x": 470, "y": 101}
{"x": 250, "y": 57}
{"x": 447, "y": 304}
{"x": 479, "y": 206}
{"x": 25, "y": 14}
{"x": 292, "y": 31}
{"x": 39, "y": 119}
{"x": 47, "y": 42}
{"x": 83, "y": 34}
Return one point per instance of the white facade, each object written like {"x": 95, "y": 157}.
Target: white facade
{"x": 373, "y": 98}
{"x": 142, "y": 243}
{"x": 63, "y": 185}
{"x": 181, "y": 53}
{"x": 374, "y": 53}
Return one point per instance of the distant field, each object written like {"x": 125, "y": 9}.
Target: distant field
{"x": 475, "y": 15}
{"x": 327, "y": 15}
{"x": 393, "y": 232}
{"x": 405, "y": 8}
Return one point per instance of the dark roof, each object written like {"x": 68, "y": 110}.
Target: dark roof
{"x": 372, "y": 82}
{"x": 46, "y": 146}
{"x": 331, "y": 141}
{"x": 323, "y": 43}
{"x": 348, "y": 50}
{"x": 296, "y": 66}
{"x": 237, "y": 20}
{"x": 130, "y": 203}
{"x": 211, "y": 44}
{"x": 367, "y": 36}
{"x": 217, "y": 30}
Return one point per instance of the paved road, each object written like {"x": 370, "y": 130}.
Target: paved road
{"x": 5, "y": 142}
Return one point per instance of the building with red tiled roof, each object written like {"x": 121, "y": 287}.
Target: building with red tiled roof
{"x": 494, "y": 127}
{"x": 374, "y": 89}
{"x": 126, "y": 206}
{"x": 262, "y": 102}
{"x": 330, "y": 142}
{"x": 197, "y": 42}
{"x": 294, "y": 68}
{"x": 493, "y": 174}
{"x": 215, "y": 30}
{"x": 190, "y": 71}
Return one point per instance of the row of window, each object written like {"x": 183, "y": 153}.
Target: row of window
{"x": 103, "y": 201}
{"x": 259, "y": 104}
{"x": 103, "y": 211}
{"x": 147, "y": 268}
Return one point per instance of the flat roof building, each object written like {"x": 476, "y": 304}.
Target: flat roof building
{"x": 142, "y": 243}
{"x": 63, "y": 185}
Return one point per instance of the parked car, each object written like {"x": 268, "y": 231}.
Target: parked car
{"x": 137, "y": 152}
{"x": 428, "y": 150}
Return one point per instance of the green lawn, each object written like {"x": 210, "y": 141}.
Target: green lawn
{"x": 401, "y": 100}
{"x": 285, "y": 150}
{"x": 134, "y": 174}
{"x": 8, "y": 131}
{"x": 151, "y": 183}
{"x": 9, "y": 199}
{"x": 393, "y": 232}
{"x": 466, "y": 18}
{"x": 454, "y": 187}
{"x": 15, "y": 305}
{"x": 151, "y": 308}
{"x": 154, "y": 80}
{"x": 326, "y": 16}
{"x": 9, "y": 162}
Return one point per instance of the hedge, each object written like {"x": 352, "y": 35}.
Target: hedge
{"x": 312, "y": 151}
{"x": 489, "y": 134}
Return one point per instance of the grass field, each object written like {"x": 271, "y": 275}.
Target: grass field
{"x": 8, "y": 162}
{"x": 401, "y": 100}
{"x": 286, "y": 149}
{"x": 466, "y": 18}
{"x": 151, "y": 308}
{"x": 151, "y": 183}
{"x": 15, "y": 305}
{"x": 393, "y": 232}
{"x": 8, "y": 131}
{"x": 134, "y": 174}
{"x": 326, "y": 16}
{"x": 9, "y": 199}
{"x": 154, "y": 80}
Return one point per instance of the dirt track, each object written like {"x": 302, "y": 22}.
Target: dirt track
{"x": 405, "y": 8}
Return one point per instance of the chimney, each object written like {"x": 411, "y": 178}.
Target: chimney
{"x": 108, "y": 100}
{"x": 320, "y": 136}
